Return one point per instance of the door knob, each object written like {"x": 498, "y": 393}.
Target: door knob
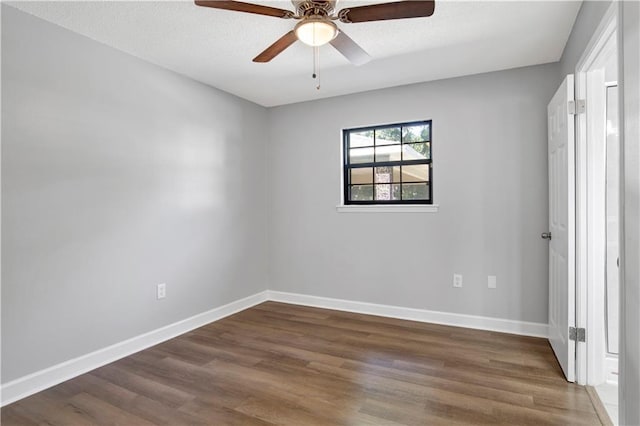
{"x": 546, "y": 235}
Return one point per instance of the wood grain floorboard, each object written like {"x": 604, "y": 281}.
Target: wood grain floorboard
{"x": 282, "y": 364}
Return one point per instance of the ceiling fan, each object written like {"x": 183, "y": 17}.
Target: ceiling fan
{"x": 316, "y": 26}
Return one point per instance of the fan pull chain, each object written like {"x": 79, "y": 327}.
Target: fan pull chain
{"x": 316, "y": 65}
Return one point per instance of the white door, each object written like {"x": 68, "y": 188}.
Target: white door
{"x": 612, "y": 211}
{"x": 562, "y": 226}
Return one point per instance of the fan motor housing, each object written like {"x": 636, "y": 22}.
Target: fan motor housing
{"x": 314, "y": 7}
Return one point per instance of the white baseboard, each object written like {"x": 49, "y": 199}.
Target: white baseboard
{"x": 43, "y": 379}
{"x": 459, "y": 320}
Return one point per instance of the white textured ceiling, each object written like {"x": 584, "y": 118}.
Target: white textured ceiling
{"x": 217, "y": 46}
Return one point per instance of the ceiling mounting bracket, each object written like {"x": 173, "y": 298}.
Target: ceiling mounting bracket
{"x": 314, "y": 7}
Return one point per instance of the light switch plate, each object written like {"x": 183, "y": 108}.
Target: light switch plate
{"x": 492, "y": 281}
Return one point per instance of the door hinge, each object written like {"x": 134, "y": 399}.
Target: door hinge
{"x": 579, "y": 106}
{"x": 577, "y": 334}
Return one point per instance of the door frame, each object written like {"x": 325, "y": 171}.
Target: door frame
{"x": 590, "y": 220}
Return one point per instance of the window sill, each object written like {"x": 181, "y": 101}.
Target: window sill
{"x": 426, "y": 208}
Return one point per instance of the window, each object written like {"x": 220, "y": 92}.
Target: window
{"x": 389, "y": 164}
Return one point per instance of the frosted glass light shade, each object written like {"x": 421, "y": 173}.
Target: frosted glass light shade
{"x": 316, "y": 31}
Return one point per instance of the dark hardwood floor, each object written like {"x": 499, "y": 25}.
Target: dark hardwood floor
{"x": 284, "y": 364}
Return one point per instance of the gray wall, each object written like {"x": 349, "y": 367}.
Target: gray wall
{"x": 629, "y": 37}
{"x": 118, "y": 175}
{"x": 588, "y": 19}
{"x": 490, "y": 179}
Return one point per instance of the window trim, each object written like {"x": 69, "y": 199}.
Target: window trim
{"x": 388, "y": 208}
{"x": 368, "y": 204}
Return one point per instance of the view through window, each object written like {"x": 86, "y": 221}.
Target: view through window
{"x": 388, "y": 164}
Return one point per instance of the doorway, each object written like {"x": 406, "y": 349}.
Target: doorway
{"x": 612, "y": 208}
{"x": 598, "y": 214}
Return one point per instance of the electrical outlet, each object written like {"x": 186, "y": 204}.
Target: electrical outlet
{"x": 161, "y": 291}
{"x": 492, "y": 281}
{"x": 457, "y": 280}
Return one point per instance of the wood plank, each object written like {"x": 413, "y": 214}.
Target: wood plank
{"x": 278, "y": 363}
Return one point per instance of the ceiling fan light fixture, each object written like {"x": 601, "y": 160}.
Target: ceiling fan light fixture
{"x": 316, "y": 31}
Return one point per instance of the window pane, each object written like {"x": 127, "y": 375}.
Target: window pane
{"x": 359, "y": 139}
{"x": 415, "y": 191}
{"x": 417, "y": 173}
{"x": 361, "y": 176}
{"x": 387, "y": 174}
{"x": 388, "y": 164}
{"x": 361, "y": 155}
{"x": 416, "y": 133}
{"x": 388, "y": 136}
{"x": 416, "y": 151}
{"x": 387, "y": 192}
{"x": 388, "y": 153}
{"x": 361, "y": 193}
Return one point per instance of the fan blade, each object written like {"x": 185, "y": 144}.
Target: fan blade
{"x": 385, "y": 11}
{"x": 350, "y": 49}
{"x": 246, "y": 7}
{"x": 276, "y": 48}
